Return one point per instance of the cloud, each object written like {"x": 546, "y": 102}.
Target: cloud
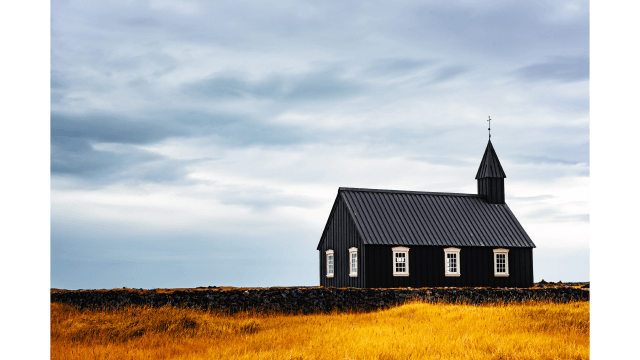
{"x": 112, "y": 128}
{"x": 309, "y": 86}
{"x": 447, "y": 73}
{"x": 78, "y": 159}
{"x": 561, "y": 70}
{"x": 550, "y": 215}
{"x": 78, "y": 151}
{"x": 185, "y": 134}
{"x": 536, "y": 198}
{"x": 57, "y": 84}
{"x": 443, "y": 160}
{"x": 74, "y": 153}
{"x": 546, "y": 160}
{"x": 262, "y": 198}
{"x": 397, "y": 66}
{"x": 493, "y": 29}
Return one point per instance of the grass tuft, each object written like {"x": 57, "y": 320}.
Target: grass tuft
{"x": 534, "y": 330}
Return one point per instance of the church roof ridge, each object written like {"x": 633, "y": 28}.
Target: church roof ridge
{"x": 409, "y": 192}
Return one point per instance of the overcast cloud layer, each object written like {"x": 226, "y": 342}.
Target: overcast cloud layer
{"x": 203, "y": 143}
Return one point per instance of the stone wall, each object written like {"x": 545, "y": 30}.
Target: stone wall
{"x": 308, "y": 300}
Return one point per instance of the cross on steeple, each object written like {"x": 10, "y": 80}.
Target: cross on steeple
{"x": 489, "y": 127}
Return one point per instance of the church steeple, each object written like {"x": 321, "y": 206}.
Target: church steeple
{"x": 491, "y": 177}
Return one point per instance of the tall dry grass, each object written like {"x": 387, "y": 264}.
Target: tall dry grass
{"x": 413, "y": 331}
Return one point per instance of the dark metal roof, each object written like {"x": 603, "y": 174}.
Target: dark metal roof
{"x": 490, "y": 165}
{"x": 391, "y": 217}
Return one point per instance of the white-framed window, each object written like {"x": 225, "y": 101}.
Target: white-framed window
{"x": 451, "y": 262}
{"x": 400, "y": 261}
{"x": 329, "y": 263}
{"x": 353, "y": 262}
{"x": 501, "y": 262}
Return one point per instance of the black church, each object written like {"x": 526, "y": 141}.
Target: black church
{"x": 391, "y": 238}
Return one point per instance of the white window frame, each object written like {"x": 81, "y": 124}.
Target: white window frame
{"x": 333, "y": 263}
{"x": 400, "y": 250}
{"x": 506, "y": 262}
{"x": 353, "y": 270}
{"x": 455, "y": 251}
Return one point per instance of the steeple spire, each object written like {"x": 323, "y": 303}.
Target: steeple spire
{"x": 490, "y": 165}
{"x": 491, "y": 176}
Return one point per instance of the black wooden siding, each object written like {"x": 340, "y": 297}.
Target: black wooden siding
{"x": 341, "y": 235}
{"x": 426, "y": 268}
{"x": 492, "y": 189}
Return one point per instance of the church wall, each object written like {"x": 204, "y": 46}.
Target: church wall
{"x": 427, "y": 268}
{"x": 341, "y": 235}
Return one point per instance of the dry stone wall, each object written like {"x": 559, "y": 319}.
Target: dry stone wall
{"x": 308, "y": 300}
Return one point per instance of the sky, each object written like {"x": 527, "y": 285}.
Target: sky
{"x": 203, "y": 143}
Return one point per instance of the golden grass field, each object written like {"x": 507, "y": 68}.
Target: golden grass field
{"x": 536, "y": 330}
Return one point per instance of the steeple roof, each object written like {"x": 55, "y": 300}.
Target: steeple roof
{"x": 490, "y": 165}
